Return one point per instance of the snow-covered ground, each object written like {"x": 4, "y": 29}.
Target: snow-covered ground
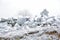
{"x": 41, "y": 27}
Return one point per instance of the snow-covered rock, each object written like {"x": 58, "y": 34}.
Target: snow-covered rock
{"x": 26, "y": 28}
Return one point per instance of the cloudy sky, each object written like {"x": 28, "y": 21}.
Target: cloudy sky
{"x": 10, "y": 8}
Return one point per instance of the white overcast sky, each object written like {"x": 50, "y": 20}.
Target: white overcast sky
{"x": 9, "y": 8}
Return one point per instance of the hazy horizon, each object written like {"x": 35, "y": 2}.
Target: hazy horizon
{"x": 11, "y": 8}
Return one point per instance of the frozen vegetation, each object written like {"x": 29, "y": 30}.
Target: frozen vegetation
{"x": 41, "y": 27}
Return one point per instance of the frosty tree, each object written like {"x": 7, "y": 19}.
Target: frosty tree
{"x": 44, "y": 13}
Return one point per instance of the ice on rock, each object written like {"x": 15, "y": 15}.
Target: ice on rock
{"x": 17, "y": 26}
{"x": 21, "y": 21}
{"x": 25, "y": 28}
